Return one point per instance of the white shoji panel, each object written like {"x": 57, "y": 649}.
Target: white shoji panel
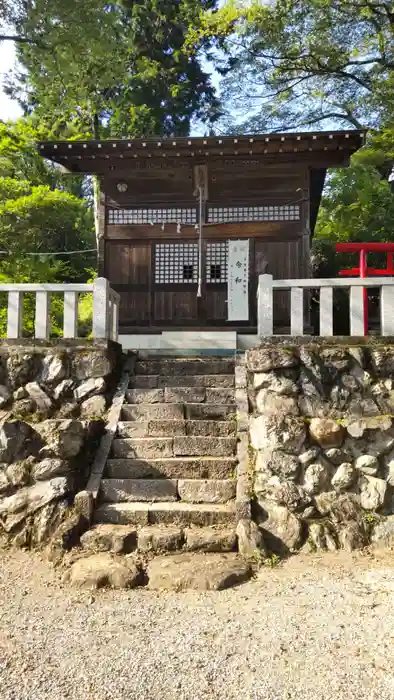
{"x": 152, "y": 216}
{"x": 218, "y": 215}
{"x": 176, "y": 263}
{"x": 216, "y": 262}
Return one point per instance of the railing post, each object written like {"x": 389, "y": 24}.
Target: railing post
{"x": 326, "y": 326}
{"x": 101, "y": 315}
{"x": 296, "y": 311}
{"x": 387, "y": 310}
{"x": 115, "y": 319}
{"x": 15, "y": 315}
{"x": 356, "y": 310}
{"x": 265, "y": 317}
{"x": 42, "y": 321}
{"x": 70, "y": 315}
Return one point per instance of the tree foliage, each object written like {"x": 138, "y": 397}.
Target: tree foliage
{"x": 111, "y": 69}
{"x": 293, "y": 63}
{"x": 41, "y": 211}
{"x": 358, "y": 206}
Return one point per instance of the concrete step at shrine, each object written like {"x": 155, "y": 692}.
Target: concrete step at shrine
{"x": 210, "y": 411}
{"x": 151, "y": 381}
{"x": 153, "y": 412}
{"x": 181, "y": 446}
{"x": 189, "y": 411}
{"x": 172, "y": 468}
{"x": 167, "y": 513}
{"x": 172, "y": 471}
{"x": 166, "y": 366}
{"x": 176, "y": 395}
{"x": 170, "y": 428}
{"x": 151, "y": 490}
{"x": 125, "y": 539}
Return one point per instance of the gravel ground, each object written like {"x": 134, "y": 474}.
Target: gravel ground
{"x": 312, "y": 628}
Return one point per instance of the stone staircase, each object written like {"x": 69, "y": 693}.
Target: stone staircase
{"x": 170, "y": 483}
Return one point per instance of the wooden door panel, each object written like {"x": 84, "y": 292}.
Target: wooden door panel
{"x": 128, "y": 268}
{"x": 282, "y": 260}
{"x": 176, "y": 307}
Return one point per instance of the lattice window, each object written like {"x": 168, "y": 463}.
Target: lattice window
{"x": 216, "y": 262}
{"x": 176, "y": 263}
{"x": 219, "y": 215}
{"x": 180, "y": 215}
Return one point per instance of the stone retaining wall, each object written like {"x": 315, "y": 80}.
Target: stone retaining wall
{"x": 321, "y": 453}
{"x": 53, "y": 405}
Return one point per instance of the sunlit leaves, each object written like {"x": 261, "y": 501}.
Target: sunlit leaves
{"x": 326, "y": 61}
{"x": 41, "y": 210}
{"x": 104, "y": 66}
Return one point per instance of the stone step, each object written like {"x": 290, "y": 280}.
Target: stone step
{"x": 206, "y": 490}
{"x": 219, "y": 396}
{"x": 124, "y": 539}
{"x": 121, "y": 490}
{"x": 159, "y": 538}
{"x": 211, "y": 428}
{"x": 183, "y": 366}
{"x": 168, "y": 538}
{"x": 182, "y": 514}
{"x": 173, "y": 468}
{"x": 151, "y": 490}
{"x": 145, "y": 448}
{"x": 191, "y": 446}
{"x": 182, "y": 446}
{"x": 145, "y": 396}
{"x": 210, "y": 539}
{"x": 152, "y": 381}
{"x": 170, "y": 428}
{"x": 159, "y": 411}
{"x": 180, "y": 395}
{"x": 152, "y": 428}
{"x": 184, "y": 394}
{"x": 207, "y": 411}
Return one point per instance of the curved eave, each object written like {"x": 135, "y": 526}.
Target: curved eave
{"x": 96, "y": 156}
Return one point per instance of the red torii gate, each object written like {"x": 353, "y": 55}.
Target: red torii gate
{"x": 363, "y": 270}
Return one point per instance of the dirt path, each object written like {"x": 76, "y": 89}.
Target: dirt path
{"x": 312, "y": 628}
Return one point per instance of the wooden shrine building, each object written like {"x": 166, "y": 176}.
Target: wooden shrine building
{"x": 188, "y": 224}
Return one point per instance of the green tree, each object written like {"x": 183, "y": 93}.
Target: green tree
{"x": 41, "y": 211}
{"x": 290, "y": 64}
{"x": 301, "y": 63}
{"x": 358, "y": 206}
{"x": 111, "y": 69}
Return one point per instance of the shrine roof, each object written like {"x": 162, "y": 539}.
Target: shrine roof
{"x": 329, "y": 148}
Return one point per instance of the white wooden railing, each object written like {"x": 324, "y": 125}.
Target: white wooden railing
{"x": 267, "y": 285}
{"x": 105, "y": 308}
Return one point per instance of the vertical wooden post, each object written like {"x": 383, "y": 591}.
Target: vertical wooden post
{"x": 101, "y": 224}
{"x": 265, "y": 314}
{"x": 101, "y": 322}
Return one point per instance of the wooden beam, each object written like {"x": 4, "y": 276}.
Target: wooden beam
{"x": 123, "y": 166}
{"x": 277, "y": 230}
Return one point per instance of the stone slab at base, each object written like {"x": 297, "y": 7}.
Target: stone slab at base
{"x": 199, "y": 572}
{"x": 181, "y": 341}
